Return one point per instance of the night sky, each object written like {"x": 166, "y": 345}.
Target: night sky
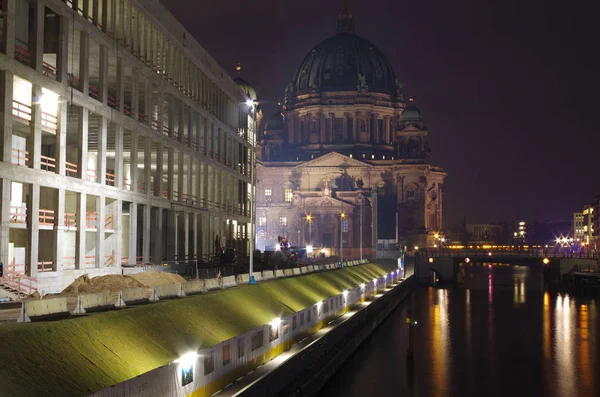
{"x": 508, "y": 89}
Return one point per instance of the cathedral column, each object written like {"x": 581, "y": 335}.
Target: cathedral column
{"x": 386, "y": 129}
{"x": 321, "y": 117}
{"x": 345, "y": 128}
{"x": 331, "y": 136}
{"x": 307, "y": 128}
{"x": 355, "y": 128}
{"x": 291, "y": 130}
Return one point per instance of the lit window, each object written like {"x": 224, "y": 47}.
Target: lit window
{"x": 350, "y": 156}
{"x": 287, "y": 195}
{"x": 283, "y": 221}
{"x": 262, "y": 220}
{"x": 344, "y": 226}
{"x": 392, "y": 157}
{"x": 383, "y": 157}
{"x": 373, "y": 157}
{"x": 268, "y": 193}
{"x": 364, "y": 156}
{"x": 226, "y": 354}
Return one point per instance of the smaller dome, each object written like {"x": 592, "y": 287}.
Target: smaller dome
{"x": 275, "y": 122}
{"x": 246, "y": 87}
{"x": 411, "y": 113}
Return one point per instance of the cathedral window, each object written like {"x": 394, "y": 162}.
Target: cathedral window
{"x": 287, "y": 195}
{"x": 283, "y": 221}
{"x": 410, "y": 195}
{"x": 262, "y": 220}
{"x": 344, "y": 226}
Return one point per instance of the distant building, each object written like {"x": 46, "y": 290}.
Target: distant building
{"x": 578, "y": 233}
{"x": 588, "y": 225}
{"x": 479, "y": 233}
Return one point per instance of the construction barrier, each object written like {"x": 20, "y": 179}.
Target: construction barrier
{"x": 296, "y": 271}
{"x": 288, "y": 272}
{"x": 165, "y": 291}
{"x": 242, "y": 278}
{"x": 130, "y": 296}
{"x": 43, "y": 308}
{"x": 257, "y": 276}
{"x": 310, "y": 268}
{"x": 92, "y": 302}
{"x": 268, "y": 275}
{"x": 304, "y": 270}
{"x": 211, "y": 284}
{"x": 279, "y": 273}
{"x": 192, "y": 287}
{"x": 229, "y": 282}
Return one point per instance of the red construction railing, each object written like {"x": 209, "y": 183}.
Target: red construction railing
{"x": 91, "y": 220}
{"x": 90, "y": 260}
{"x": 92, "y": 177}
{"x": 139, "y": 260}
{"x": 70, "y": 220}
{"x": 21, "y": 110}
{"x": 72, "y": 80}
{"x": 69, "y": 260}
{"x": 18, "y": 214}
{"x": 19, "y": 282}
{"x": 46, "y": 266}
{"x": 127, "y": 110}
{"x": 20, "y": 157}
{"x": 109, "y": 221}
{"x": 71, "y": 169}
{"x": 23, "y": 56}
{"x": 46, "y": 217}
{"x": 94, "y": 92}
{"x": 110, "y": 179}
{"x": 109, "y": 260}
{"x": 47, "y": 163}
{"x": 49, "y": 70}
{"x": 165, "y": 128}
{"x": 142, "y": 117}
{"x": 49, "y": 121}
{"x": 126, "y": 184}
{"x": 141, "y": 186}
{"x": 112, "y": 102}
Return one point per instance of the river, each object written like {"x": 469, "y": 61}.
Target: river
{"x": 501, "y": 333}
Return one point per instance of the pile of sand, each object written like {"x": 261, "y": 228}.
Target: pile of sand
{"x": 150, "y": 279}
{"x": 113, "y": 282}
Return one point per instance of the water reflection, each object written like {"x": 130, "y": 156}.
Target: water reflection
{"x": 440, "y": 340}
{"x": 563, "y": 345}
{"x": 519, "y": 283}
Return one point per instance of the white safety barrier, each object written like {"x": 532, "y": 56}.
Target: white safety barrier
{"x": 257, "y": 276}
{"x": 304, "y": 269}
{"x": 296, "y": 271}
{"x": 311, "y": 268}
{"x": 212, "y": 284}
{"x": 229, "y": 282}
{"x": 268, "y": 275}
{"x": 43, "y": 308}
{"x": 192, "y": 287}
{"x": 242, "y": 278}
{"x": 288, "y": 272}
{"x": 165, "y": 291}
{"x": 96, "y": 301}
{"x": 131, "y": 295}
{"x": 279, "y": 273}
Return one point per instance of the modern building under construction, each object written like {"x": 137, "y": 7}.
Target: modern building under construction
{"x": 122, "y": 141}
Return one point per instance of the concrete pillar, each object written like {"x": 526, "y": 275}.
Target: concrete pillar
{"x": 171, "y": 234}
{"x": 34, "y": 143}
{"x": 181, "y": 173}
{"x": 83, "y": 139}
{"x": 158, "y": 184}
{"x": 38, "y": 35}
{"x": 84, "y": 62}
{"x": 171, "y": 169}
{"x": 186, "y": 235}
{"x": 189, "y": 178}
{"x": 33, "y": 227}
{"x": 4, "y": 220}
{"x": 205, "y": 184}
{"x": 159, "y": 235}
{"x": 105, "y": 11}
{"x": 133, "y": 161}
{"x": 62, "y": 61}
{"x": 100, "y": 223}
{"x": 180, "y": 121}
{"x": 9, "y": 9}
{"x": 133, "y": 210}
{"x": 171, "y": 112}
{"x": 59, "y": 230}
{"x": 103, "y": 73}
{"x": 135, "y": 94}
{"x": 146, "y": 236}
{"x": 120, "y": 84}
{"x": 80, "y": 233}
{"x": 61, "y": 138}
{"x": 6, "y": 118}
{"x": 147, "y": 165}
{"x": 119, "y": 175}
{"x": 345, "y": 133}
{"x": 355, "y": 128}
{"x": 102, "y": 139}
{"x": 118, "y": 233}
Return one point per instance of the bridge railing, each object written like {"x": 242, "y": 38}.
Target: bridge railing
{"x": 543, "y": 253}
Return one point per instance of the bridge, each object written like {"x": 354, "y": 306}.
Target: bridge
{"x": 446, "y": 263}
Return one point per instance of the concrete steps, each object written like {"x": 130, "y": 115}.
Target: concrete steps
{"x": 7, "y": 292}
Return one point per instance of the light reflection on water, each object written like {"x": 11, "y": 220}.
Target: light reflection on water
{"x": 499, "y": 334}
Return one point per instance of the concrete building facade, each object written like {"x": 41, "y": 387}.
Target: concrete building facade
{"x": 122, "y": 141}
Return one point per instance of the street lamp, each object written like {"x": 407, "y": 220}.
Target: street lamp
{"x": 361, "y": 230}
{"x": 342, "y": 216}
{"x": 252, "y": 105}
{"x": 309, "y": 220}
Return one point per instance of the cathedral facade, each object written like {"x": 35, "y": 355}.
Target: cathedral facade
{"x": 345, "y": 161}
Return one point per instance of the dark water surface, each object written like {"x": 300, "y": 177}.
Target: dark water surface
{"x": 499, "y": 334}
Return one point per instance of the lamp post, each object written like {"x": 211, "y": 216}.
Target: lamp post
{"x": 361, "y": 230}
{"x": 252, "y": 106}
{"x": 342, "y": 216}
{"x": 309, "y": 220}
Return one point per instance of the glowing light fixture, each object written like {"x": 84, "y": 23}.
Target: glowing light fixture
{"x": 546, "y": 261}
{"x": 187, "y": 360}
{"x": 309, "y": 249}
{"x": 275, "y": 322}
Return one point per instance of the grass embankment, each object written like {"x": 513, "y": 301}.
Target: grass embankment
{"x": 78, "y": 356}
